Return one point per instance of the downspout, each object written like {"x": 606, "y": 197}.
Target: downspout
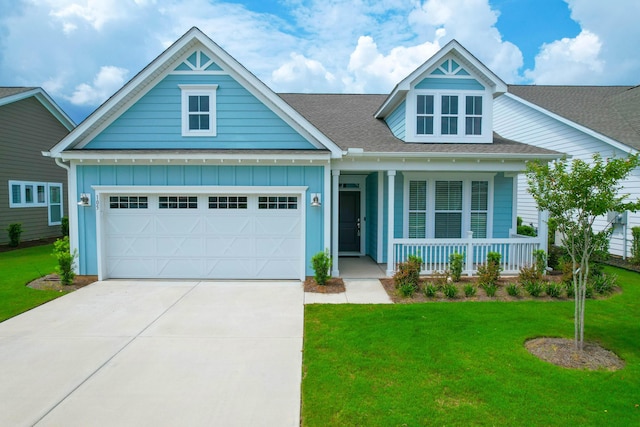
{"x": 62, "y": 164}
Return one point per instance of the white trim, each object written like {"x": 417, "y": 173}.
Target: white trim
{"x": 327, "y": 202}
{"x": 72, "y": 208}
{"x": 33, "y": 185}
{"x": 249, "y": 157}
{"x": 61, "y": 203}
{"x": 198, "y": 90}
{"x": 335, "y": 205}
{"x": 380, "y": 207}
{"x": 103, "y": 191}
{"x": 614, "y": 143}
{"x": 391, "y": 175}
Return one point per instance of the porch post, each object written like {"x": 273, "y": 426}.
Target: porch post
{"x": 390, "y": 223}
{"x": 335, "y": 197}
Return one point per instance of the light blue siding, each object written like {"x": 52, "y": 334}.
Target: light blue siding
{"x": 243, "y": 122}
{"x": 502, "y": 205}
{"x": 88, "y": 176}
{"x": 451, "y": 84}
{"x": 396, "y": 121}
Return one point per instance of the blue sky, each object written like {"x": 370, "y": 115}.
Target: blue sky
{"x": 82, "y": 51}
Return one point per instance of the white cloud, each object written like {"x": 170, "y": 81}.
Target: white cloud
{"x": 108, "y": 80}
{"x": 301, "y": 74}
{"x": 569, "y": 61}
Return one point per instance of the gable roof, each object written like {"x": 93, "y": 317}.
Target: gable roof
{"x": 9, "y": 95}
{"x": 611, "y": 111}
{"x": 165, "y": 63}
{"x": 461, "y": 54}
{"x": 349, "y": 121}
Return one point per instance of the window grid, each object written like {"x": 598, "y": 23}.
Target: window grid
{"x": 449, "y": 119}
{"x": 178, "y": 202}
{"x": 128, "y": 202}
{"x": 417, "y": 209}
{"x": 448, "y": 209}
{"x": 425, "y": 114}
{"x": 277, "y": 202}
{"x": 473, "y": 115}
{"x": 199, "y": 112}
{"x": 227, "y": 202}
{"x": 479, "y": 208}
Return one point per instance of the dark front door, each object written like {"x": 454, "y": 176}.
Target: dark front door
{"x": 349, "y": 222}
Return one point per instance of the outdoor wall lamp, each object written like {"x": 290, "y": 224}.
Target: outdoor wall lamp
{"x": 315, "y": 199}
{"x": 85, "y": 199}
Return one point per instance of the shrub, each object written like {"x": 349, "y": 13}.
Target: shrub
{"x": 64, "y": 226}
{"x": 554, "y": 290}
{"x": 490, "y": 289}
{"x": 604, "y": 283}
{"x": 450, "y": 290}
{"x": 588, "y": 293}
{"x": 440, "y": 278}
{"x": 540, "y": 261}
{"x": 321, "y": 263}
{"x": 635, "y": 245}
{"x": 534, "y": 288}
{"x": 528, "y": 274}
{"x": 489, "y": 273}
{"x": 430, "y": 290}
{"x": 66, "y": 260}
{"x": 470, "y": 290}
{"x": 14, "y": 230}
{"x": 513, "y": 289}
{"x": 456, "y": 262}
{"x": 408, "y": 274}
{"x": 568, "y": 287}
{"x": 567, "y": 272}
{"x": 407, "y": 289}
{"x": 526, "y": 230}
{"x": 556, "y": 253}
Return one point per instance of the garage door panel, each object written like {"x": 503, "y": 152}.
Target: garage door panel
{"x": 220, "y": 224}
{"x": 131, "y": 245}
{"x": 229, "y": 247}
{"x": 279, "y": 225}
{"x": 228, "y": 268}
{"x": 134, "y": 268}
{"x": 273, "y": 268}
{"x": 180, "y": 246}
{"x": 280, "y": 247}
{"x": 175, "y": 268}
{"x": 178, "y": 225}
{"x": 129, "y": 224}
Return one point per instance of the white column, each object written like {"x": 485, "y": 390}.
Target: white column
{"x": 335, "y": 197}
{"x": 390, "y": 223}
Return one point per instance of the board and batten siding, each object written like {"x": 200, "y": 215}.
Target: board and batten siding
{"x": 502, "y": 205}
{"x": 206, "y": 175}
{"x": 26, "y": 129}
{"x": 519, "y": 122}
{"x": 242, "y": 121}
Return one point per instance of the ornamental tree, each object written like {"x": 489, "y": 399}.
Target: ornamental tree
{"x": 575, "y": 194}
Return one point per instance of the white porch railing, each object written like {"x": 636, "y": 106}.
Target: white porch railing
{"x": 516, "y": 252}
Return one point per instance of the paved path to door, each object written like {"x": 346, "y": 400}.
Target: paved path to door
{"x": 125, "y": 353}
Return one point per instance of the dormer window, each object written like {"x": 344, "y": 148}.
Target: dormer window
{"x": 473, "y": 115}
{"x": 425, "y": 115}
{"x": 449, "y": 121}
{"x": 198, "y": 110}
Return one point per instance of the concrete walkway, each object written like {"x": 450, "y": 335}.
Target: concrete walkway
{"x": 358, "y": 291}
{"x": 144, "y": 353}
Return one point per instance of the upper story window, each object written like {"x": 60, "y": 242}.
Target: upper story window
{"x": 198, "y": 110}
{"x": 449, "y": 115}
{"x": 473, "y": 115}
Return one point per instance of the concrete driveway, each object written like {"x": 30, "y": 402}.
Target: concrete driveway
{"x": 146, "y": 353}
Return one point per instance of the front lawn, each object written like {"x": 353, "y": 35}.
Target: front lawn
{"x": 19, "y": 267}
{"x": 465, "y": 364}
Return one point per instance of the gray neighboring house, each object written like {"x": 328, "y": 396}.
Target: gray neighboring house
{"x": 33, "y": 188}
{"x": 578, "y": 121}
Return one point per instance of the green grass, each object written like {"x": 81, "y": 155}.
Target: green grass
{"x": 19, "y": 267}
{"x": 465, "y": 364}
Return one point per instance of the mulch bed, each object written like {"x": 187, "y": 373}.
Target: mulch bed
{"x": 51, "y": 282}
{"x": 562, "y": 352}
{"x": 334, "y": 285}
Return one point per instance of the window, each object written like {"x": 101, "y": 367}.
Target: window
{"x": 449, "y": 119}
{"x": 448, "y": 209}
{"x": 198, "y": 110}
{"x": 178, "y": 202}
{"x": 27, "y": 194}
{"x": 277, "y": 202}
{"x": 227, "y": 202}
{"x": 55, "y": 204}
{"x": 439, "y": 208}
{"x": 128, "y": 202}
{"x": 425, "y": 115}
{"x": 473, "y": 115}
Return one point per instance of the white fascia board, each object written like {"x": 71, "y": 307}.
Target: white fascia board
{"x": 195, "y": 158}
{"x": 479, "y": 156}
{"x": 614, "y": 143}
{"x": 46, "y": 101}
{"x": 196, "y": 189}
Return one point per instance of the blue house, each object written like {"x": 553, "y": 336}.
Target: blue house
{"x": 196, "y": 169}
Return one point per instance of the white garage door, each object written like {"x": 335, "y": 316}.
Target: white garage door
{"x": 203, "y": 236}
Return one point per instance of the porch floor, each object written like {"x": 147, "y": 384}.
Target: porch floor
{"x": 360, "y": 267}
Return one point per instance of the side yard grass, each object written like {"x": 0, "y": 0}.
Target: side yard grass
{"x": 465, "y": 364}
{"x": 19, "y": 267}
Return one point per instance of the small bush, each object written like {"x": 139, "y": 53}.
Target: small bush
{"x": 556, "y": 253}
{"x": 321, "y": 264}
{"x": 528, "y": 274}
{"x": 604, "y": 283}
{"x": 567, "y": 272}
{"x": 540, "y": 261}
{"x": 490, "y": 289}
{"x": 513, "y": 289}
{"x": 526, "y": 230}
{"x": 554, "y": 290}
{"x": 440, "y": 278}
{"x": 635, "y": 245}
{"x": 588, "y": 292}
{"x": 568, "y": 287}
{"x": 470, "y": 290}
{"x": 450, "y": 290}
{"x": 456, "y": 262}
{"x": 66, "y": 260}
{"x": 14, "y": 230}
{"x": 408, "y": 274}
{"x": 64, "y": 226}
{"x": 430, "y": 290}
{"x": 534, "y": 288}
{"x": 406, "y": 289}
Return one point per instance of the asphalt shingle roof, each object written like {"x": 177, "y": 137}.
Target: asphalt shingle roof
{"x": 348, "y": 120}
{"x": 613, "y": 111}
{"x": 8, "y": 91}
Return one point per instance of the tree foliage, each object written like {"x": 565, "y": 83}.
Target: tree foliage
{"x": 576, "y": 193}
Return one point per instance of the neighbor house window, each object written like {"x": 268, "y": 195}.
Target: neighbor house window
{"x": 28, "y": 194}
{"x": 198, "y": 110}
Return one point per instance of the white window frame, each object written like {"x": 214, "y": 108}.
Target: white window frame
{"x": 199, "y": 90}
{"x": 50, "y": 204}
{"x": 431, "y": 179}
{"x": 412, "y": 135}
{"x": 45, "y": 202}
